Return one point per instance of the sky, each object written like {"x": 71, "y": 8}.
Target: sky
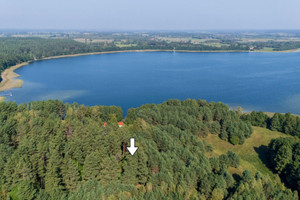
{"x": 107, "y": 15}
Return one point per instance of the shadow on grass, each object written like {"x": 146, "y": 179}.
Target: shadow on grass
{"x": 237, "y": 177}
{"x": 263, "y": 154}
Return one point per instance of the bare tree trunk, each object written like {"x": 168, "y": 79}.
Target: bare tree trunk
{"x": 124, "y": 148}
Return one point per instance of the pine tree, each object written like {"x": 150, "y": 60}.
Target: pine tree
{"x": 53, "y": 176}
{"x": 24, "y": 179}
{"x": 42, "y": 148}
{"x": 24, "y": 170}
{"x": 275, "y": 123}
{"x": 76, "y": 145}
{"x": 130, "y": 165}
{"x": 234, "y": 159}
{"x": 289, "y": 124}
{"x": 110, "y": 170}
{"x": 91, "y": 167}
{"x": 70, "y": 174}
{"x": 26, "y": 190}
{"x": 142, "y": 170}
{"x": 5, "y": 154}
{"x": 282, "y": 158}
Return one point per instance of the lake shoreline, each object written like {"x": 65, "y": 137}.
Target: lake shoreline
{"x": 9, "y": 80}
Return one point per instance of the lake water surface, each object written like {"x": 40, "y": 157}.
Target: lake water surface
{"x": 254, "y": 81}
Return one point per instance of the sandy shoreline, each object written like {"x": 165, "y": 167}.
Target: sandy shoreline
{"x": 8, "y": 76}
{"x": 292, "y": 50}
{"x": 9, "y": 80}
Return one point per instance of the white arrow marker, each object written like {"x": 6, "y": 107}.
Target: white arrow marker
{"x": 132, "y": 149}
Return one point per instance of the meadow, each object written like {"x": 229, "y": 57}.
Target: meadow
{"x": 253, "y": 153}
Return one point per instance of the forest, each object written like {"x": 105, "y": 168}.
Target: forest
{"x": 285, "y": 123}
{"x": 55, "y": 150}
{"x": 285, "y": 160}
{"x": 17, "y": 50}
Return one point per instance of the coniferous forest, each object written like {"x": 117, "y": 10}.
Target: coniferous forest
{"x": 54, "y": 150}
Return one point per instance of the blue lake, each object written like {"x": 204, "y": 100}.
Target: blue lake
{"x": 254, "y": 81}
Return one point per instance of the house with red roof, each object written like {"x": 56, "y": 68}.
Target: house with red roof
{"x": 120, "y": 124}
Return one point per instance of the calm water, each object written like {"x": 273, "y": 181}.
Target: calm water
{"x": 255, "y": 81}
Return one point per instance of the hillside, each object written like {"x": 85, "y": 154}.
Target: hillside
{"x": 253, "y": 152}
{"x": 51, "y": 150}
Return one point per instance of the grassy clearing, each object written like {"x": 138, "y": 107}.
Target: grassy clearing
{"x": 119, "y": 44}
{"x": 265, "y": 49}
{"x": 186, "y": 39}
{"x": 83, "y": 40}
{"x": 208, "y": 42}
{"x": 2, "y": 99}
{"x": 253, "y": 152}
{"x": 215, "y": 44}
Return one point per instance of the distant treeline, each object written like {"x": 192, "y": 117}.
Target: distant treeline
{"x": 277, "y": 46}
{"x": 154, "y": 44}
{"x": 17, "y": 50}
{"x": 14, "y": 50}
{"x": 286, "y": 123}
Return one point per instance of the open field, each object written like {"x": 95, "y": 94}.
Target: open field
{"x": 2, "y": 99}
{"x": 186, "y": 39}
{"x": 253, "y": 152}
{"x": 120, "y": 44}
{"x": 208, "y": 42}
{"x": 215, "y": 44}
{"x": 245, "y": 40}
{"x": 83, "y": 40}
